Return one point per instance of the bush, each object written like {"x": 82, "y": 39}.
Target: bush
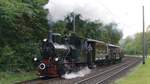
{"x": 19, "y": 57}
{"x": 22, "y": 24}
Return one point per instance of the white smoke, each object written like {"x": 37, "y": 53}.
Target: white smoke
{"x": 80, "y": 73}
{"x": 58, "y": 46}
{"x": 89, "y": 9}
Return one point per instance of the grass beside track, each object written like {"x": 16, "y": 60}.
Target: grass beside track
{"x": 11, "y": 77}
{"x": 141, "y": 75}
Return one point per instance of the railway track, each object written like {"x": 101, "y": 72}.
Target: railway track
{"x": 101, "y": 75}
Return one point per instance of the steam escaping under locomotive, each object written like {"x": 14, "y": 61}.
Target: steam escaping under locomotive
{"x": 61, "y": 55}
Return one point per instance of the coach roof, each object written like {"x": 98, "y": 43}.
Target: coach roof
{"x": 97, "y": 41}
{"x": 111, "y": 45}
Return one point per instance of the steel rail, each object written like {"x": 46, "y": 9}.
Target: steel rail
{"x": 79, "y": 82}
{"x": 124, "y": 68}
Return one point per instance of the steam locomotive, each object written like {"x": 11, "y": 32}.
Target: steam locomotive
{"x": 66, "y": 54}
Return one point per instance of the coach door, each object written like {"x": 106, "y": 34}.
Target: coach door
{"x": 101, "y": 51}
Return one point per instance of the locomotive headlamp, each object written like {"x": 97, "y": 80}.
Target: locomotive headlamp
{"x": 44, "y": 40}
{"x": 56, "y": 59}
{"x": 35, "y": 59}
{"x": 42, "y": 66}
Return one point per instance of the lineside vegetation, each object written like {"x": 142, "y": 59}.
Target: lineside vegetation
{"x": 141, "y": 75}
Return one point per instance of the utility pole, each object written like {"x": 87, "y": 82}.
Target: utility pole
{"x": 147, "y": 46}
{"x": 74, "y": 23}
{"x": 143, "y": 34}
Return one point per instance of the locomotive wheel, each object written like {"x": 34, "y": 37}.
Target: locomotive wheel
{"x": 108, "y": 61}
{"x": 61, "y": 70}
{"x": 90, "y": 66}
{"x": 114, "y": 61}
{"x": 119, "y": 60}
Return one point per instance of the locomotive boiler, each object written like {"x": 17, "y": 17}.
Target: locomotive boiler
{"x": 66, "y": 54}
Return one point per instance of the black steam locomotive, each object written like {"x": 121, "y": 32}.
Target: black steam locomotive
{"x": 70, "y": 53}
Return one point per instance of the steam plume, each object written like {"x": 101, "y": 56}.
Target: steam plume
{"x": 80, "y": 73}
{"x": 89, "y": 9}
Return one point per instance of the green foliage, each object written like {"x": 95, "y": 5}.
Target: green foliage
{"x": 19, "y": 57}
{"x": 140, "y": 75}
{"x": 13, "y": 78}
{"x": 135, "y": 45}
{"x": 21, "y": 20}
{"x": 22, "y": 24}
{"x": 7, "y": 55}
{"x": 89, "y": 29}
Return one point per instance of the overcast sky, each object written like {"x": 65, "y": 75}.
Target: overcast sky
{"x": 127, "y": 13}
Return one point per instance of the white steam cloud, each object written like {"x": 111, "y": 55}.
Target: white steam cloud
{"x": 89, "y": 9}
{"x": 80, "y": 73}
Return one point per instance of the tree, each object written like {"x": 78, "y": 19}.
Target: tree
{"x": 23, "y": 24}
{"x": 134, "y": 45}
{"x": 89, "y": 29}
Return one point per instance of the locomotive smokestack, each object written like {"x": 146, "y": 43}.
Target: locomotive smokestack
{"x": 50, "y": 23}
{"x": 50, "y": 36}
